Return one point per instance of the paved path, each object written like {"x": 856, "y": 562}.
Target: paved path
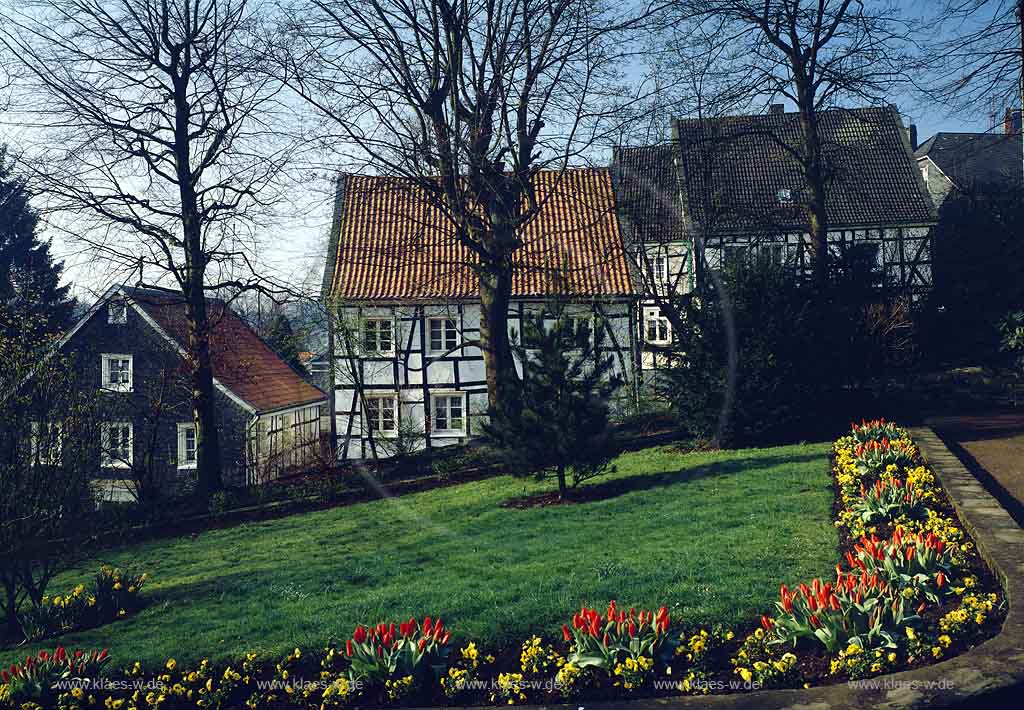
{"x": 992, "y": 448}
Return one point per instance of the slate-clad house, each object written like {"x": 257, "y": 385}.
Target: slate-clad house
{"x": 607, "y": 241}
{"x": 734, "y": 183}
{"x": 131, "y": 345}
{"x": 973, "y": 161}
{"x": 407, "y": 366}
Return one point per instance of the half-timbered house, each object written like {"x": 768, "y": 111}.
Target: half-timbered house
{"x": 408, "y": 370}
{"x": 735, "y": 186}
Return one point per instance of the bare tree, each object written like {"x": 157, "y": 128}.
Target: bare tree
{"x": 978, "y": 59}
{"x": 814, "y": 53}
{"x": 154, "y": 136}
{"x": 463, "y": 101}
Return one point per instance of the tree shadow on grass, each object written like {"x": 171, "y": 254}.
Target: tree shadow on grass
{"x": 606, "y": 490}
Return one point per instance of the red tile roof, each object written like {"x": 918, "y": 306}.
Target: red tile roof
{"x": 392, "y": 244}
{"x": 242, "y": 362}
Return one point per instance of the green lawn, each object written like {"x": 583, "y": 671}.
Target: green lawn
{"x": 714, "y": 533}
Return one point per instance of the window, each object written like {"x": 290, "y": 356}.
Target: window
{"x": 660, "y": 268}
{"x": 378, "y": 336}
{"x": 576, "y": 327}
{"x": 187, "y": 445}
{"x": 117, "y": 444}
{"x": 47, "y": 443}
{"x": 117, "y": 373}
{"x": 657, "y": 330}
{"x": 448, "y": 412}
{"x": 444, "y": 336}
{"x": 117, "y": 311}
{"x": 382, "y": 413}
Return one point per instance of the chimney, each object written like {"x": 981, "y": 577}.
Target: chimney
{"x": 777, "y": 108}
{"x": 1012, "y": 122}
{"x": 912, "y": 135}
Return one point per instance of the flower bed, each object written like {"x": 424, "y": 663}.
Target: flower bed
{"x": 112, "y": 594}
{"x": 909, "y": 590}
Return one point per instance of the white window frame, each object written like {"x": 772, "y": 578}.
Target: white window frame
{"x": 183, "y": 462}
{"x": 124, "y": 462}
{"x": 395, "y": 409}
{"x": 443, "y": 322}
{"x": 52, "y": 456}
{"x": 105, "y": 360}
{"x": 660, "y": 270}
{"x": 376, "y": 349}
{"x": 659, "y": 320}
{"x": 117, "y": 311}
{"x": 447, "y": 395}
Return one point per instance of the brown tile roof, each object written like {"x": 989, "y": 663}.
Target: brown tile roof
{"x": 242, "y": 362}
{"x": 392, "y": 244}
{"x": 732, "y": 169}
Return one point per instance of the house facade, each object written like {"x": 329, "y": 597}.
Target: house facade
{"x": 409, "y": 372}
{"x": 130, "y": 348}
{"x": 729, "y": 188}
{"x": 610, "y": 245}
{"x": 973, "y": 161}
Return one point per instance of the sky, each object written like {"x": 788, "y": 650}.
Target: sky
{"x": 294, "y": 248}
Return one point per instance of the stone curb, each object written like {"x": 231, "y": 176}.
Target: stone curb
{"x": 994, "y": 667}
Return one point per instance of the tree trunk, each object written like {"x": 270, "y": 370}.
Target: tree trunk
{"x": 499, "y": 365}
{"x": 563, "y": 489}
{"x": 814, "y": 172}
{"x": 11, "y": 608}
{"x": 204, "y": 406}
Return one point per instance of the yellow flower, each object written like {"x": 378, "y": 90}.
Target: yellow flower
{"x": 171, "y": 664}
{"x": 77, "y": 693}
{"x": 892, "y": 658}
{"x": 910, "y": 634}
{"x": 745, "y": 674}
{"x": 945, "y": 641}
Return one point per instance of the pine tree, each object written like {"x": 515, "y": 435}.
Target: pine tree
{"x": 281, "y": 338}
{"x": 562, "y": 429}
{"x": 29, "y": 277}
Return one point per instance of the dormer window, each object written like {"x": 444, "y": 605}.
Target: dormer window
{"x": 117, "y": 311}
{"x": 785, "y": 196}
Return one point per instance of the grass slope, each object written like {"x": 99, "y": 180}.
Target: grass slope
{"x": 714, "y": 533}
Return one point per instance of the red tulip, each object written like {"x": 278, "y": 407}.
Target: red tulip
{"x": 940, "y": 580}
{"x": 348, "y": 648}
{"x": 427, "y": 626}
{"x": 4, "y": 676}
{"x": 565, "y": 632}
{"x": 632, "y": 629}
{"x": 446, "y": 638}
{"x": 920, "y": 609}
{"x": 103, "y": 654}
{"x": 360, "y": 634}
{"x": 422, "y": 644}
{"x": 766, "y": 623}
